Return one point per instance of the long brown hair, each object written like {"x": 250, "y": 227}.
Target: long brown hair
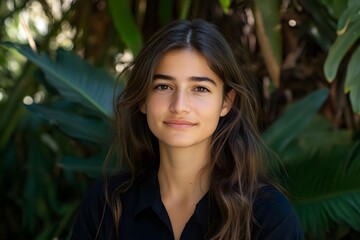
{"x": 236, "y": 147}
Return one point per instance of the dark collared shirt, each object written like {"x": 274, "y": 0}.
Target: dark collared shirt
{"x": 144, "y": 215}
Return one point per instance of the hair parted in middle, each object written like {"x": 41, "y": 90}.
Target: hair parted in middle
{"x": 236, "y": 150}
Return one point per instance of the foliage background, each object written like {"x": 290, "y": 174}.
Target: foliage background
{"x": 55, "y": 100}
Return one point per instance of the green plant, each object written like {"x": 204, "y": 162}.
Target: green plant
{"x": 348, "y": 34}
{"x": 49, "y": 149}
{"x": 79, "y": 104}
{"x": 322, "y": 166}
{"x": 322, "y": 161}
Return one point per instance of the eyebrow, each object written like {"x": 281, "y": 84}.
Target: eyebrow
{"x": 192, "y": 78}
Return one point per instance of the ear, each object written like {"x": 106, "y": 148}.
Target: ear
{"x": 228, "y": 102}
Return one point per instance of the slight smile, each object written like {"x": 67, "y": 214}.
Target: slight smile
{"x": 179, "y": 123}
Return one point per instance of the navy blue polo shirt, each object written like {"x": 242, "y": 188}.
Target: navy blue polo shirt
{"x": 144, "y": 216}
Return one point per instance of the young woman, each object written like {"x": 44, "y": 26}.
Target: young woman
{"x": 186, "y": 126}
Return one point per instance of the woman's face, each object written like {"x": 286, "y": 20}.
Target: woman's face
{"x": 186, "y": 100}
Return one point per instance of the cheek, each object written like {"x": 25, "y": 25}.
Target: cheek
{"x": 154, "y": 108}
{"x": 210, "y": 107}
{"x": 152, "y": 121}
{"x": 154, "y": 105}
{"x": 210, "y": 112}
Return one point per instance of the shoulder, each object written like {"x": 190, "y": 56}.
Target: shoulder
{"x": 94, "y": 212}
{"x": 275, "y": 217}
{"x": 96, "y": 193}
{"x": 269, "y": 199}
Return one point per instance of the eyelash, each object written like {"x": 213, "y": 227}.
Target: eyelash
{"x": 163, "y": 87}
{"x": 202, "y": 89}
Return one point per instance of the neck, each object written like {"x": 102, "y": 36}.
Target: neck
{"x": 183, "y": 172}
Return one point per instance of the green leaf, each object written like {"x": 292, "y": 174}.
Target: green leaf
{"x": 68, "y": 211}
{"x": 46, "y": 232}
{"x": 225, "y": 4}
{"x": 125, "y": 25}
{"x": 316, "y": 138}
{"x": 353, "y": 3}
{"x": 92, "y": 166}
{"x": 294, "y": 120}
{"x": 325, "y": 191}
{"x": 335, "y": 7}
{"x": 268, "y": 28}
{"x": 319, "y": 134}
{"x": 353, "y": 154}
{"x": 324, "y": 181}
{"x": 39, "y": 195}
{"x": 185, "y": 7}
{"x": 75, "y": 125}
{"x": 339, "y": 6}
{"x": 29, "y": 203}
{"x": 349, "y": 15}
{"x": 355, "y": 99}
{"x": 352, "y": 78}
{"x": 338, "y": 50}
{"x": 75, "y": 79}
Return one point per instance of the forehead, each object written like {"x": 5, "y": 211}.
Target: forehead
{"x": 185, "y": 63}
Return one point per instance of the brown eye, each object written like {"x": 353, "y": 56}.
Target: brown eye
{"x": 201, "y": 89}
{"x": 162, "y": 87}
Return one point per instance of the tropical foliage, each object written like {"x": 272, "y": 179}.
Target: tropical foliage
{"x": 56, "y": 100}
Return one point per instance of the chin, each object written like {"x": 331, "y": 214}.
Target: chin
{"x": 178, "y": 143}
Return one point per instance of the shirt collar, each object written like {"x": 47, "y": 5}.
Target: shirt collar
{"x": 202, "y": 209}
{"x": 148, "y": 192}
{"x": 149, "y": 197}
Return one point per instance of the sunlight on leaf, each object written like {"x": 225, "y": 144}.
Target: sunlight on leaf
{"x": 75, "y": 79}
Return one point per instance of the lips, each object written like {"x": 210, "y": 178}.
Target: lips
{"x": 175, "y": 123}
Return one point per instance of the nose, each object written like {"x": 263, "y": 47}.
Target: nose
{"x": 180, "y": 102}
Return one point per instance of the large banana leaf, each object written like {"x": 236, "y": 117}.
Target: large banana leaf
{"x": 39, "y": 198}
{"x": 93, "y": 166}
{"x": 325, "y": 189}
{"x": 294, "y": 120}
{"x": 317, "y": 138}
{"x": 75, "y": 125}
{"x": 75, "y": 79}
{"x": 323, "y": 168}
